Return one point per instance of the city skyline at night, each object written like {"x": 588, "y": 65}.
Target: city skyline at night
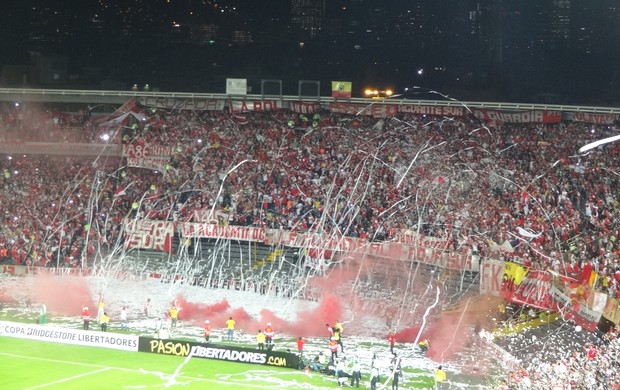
{"x": 515, "y": 50}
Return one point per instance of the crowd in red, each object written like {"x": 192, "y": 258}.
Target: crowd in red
{"x": 467, "y": 182}
{"x": 453, "y": 178}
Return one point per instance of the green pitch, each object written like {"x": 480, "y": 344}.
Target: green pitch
{"x": 29, "y": 364}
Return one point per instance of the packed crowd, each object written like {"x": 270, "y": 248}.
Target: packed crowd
{"x": 357, "y": 176}
{"x": 452, "y": 178}
{"x": 593, "y": 368}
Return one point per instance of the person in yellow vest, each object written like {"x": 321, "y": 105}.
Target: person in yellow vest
{"x": 174, "y": 317}
{"x": 605, "y": 283}
{"x": 100, "y": 309}
{"x": 104, "y": 320}
{"x": 424, "y": 345}
{"x": 440, "y": 378}
{"x": 338, "y": 339}
{"x": 230, "y": 328}
{"x": 501, "y": 308}
{"x": 260, "y": 339}
{"x": 339, "y": 327}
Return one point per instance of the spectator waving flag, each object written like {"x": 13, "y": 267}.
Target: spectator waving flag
{"x": 121, "y": 190}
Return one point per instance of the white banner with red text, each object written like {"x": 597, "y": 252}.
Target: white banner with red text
{"x": 157, "y": 235}
{"x": 149, "y": 234}
{"x": 387, "y": 110}
{"x": 148, "y": 156}
{"x": 491, "y": 277}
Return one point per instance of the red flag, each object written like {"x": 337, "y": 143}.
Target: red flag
{"x": 120, "y": 191}
{"x": 240, "y": 120}
{"x": 440, "y": 180}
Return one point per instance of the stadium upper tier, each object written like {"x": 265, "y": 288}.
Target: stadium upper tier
{"x": 484, "y": 182}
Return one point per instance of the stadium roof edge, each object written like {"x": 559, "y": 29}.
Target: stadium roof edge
{"x": 120, "y": 97}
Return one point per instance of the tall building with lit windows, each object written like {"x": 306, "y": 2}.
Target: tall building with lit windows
{"x": 308, "y": 16}
{"x": 560, "y": 19}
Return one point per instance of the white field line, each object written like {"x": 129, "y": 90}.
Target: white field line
{"x": 102, "y": 367}
{"x": 68, "y": 379}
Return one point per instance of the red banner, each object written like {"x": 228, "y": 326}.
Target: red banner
{"x": 534, "y": 290}
{"x": 148, "y": 234}
{"x": 576, "y": 301}
{"x": 532, "y": 116}
{"x": 432, "y": 110}
{"x": 130, "y": 105}
{"x": 254, "y": 105}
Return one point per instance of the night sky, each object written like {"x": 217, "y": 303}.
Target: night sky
{"x": 557, "y": 51}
